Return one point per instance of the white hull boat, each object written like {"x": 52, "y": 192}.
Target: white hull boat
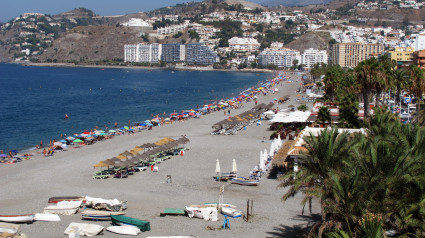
{"x": 207, "y": 213}
{"x": 46, "y": 217}
{"x": 231, "y": 212}
{"x": 245, "y": 181}
{"x": 9, "y": 228}
{"x": 106, "y": 204}
{"x": 17, "y": 218}
{"x": 124, "y": 230}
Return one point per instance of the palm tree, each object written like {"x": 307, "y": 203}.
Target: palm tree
{"x": 417, "y": 80}
{"x": 332, "y": 78}
{"x": 367, "y": 73}
{"x": 318, "y": 166}
{"x": 400, "y": 80}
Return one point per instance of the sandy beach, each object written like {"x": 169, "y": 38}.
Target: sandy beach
{"x": 26, "y": 186}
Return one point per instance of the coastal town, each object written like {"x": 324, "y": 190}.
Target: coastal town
{"x": 218, "y": 118}
{"x": 231, "y": 36}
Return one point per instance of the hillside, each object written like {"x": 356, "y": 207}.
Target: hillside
{"x": 291, "y": 3}
{"x": 244, "y": 3}
{"x": 91, "y": 44}
{"x": 317, "y": 40}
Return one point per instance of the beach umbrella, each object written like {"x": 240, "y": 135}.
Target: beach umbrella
{"x": 64, "y": 146}
{"x": 279, "y": 141}
{"x": 57, "y": 143}
{"x": 70, "y": 138}
{"x": 77, "y": 141}
{"x": 217, "y": 167}
{"x": 261, "y": 164}
{"x": 3, "y": 155}
{"x": 112, "y": 131}
{"x": 126, "y": 127}
{"x": 272, "y": 148}
{"x": 62, "y": 141}
{"x": 234, "y": 168}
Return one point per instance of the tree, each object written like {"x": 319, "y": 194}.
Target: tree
{"x": 332, "y": 78}
{"x": 400, "y": 80}
{"x": 417, "y": 80}
{"x": 302, "y": 107}
{"x": 348, "y": 109}
{"x": 324, "y": 115}
{"x": 367, "y": 76}
{"x": 295, "y": 62}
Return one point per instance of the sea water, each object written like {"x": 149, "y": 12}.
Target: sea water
{"x": 34, "y": 100}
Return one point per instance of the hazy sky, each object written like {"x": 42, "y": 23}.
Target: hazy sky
{"x": 13, "y": 8}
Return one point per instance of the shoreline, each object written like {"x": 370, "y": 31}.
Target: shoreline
{"x": 34, "y": 148}
{"x": 177, "y": 68}
{"x": 27, "y": 186}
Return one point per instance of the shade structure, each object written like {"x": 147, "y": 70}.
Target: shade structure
{"x": 163, "y": 141}
{"x": 103, "y": 164}
{"x": 137, "y": 149}
{"x": 120, "y": 156}
{"x": 234, "y": 167}
{"x": 114, "y": 159}
{"x": 121, "y": 164}
{"x": 127, "y": 154}
{"x": 77, "y": 141}
{"x": 217, "y": 167}
{"x": 265, "y": 152}
{"x": 57, "y": 143}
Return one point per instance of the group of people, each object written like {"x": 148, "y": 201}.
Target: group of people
{"x": 48, "y": 152}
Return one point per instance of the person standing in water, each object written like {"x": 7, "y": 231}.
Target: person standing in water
{"x": 66, "y": 116}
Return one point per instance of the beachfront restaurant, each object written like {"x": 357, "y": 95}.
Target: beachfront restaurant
{"x": 289, "y": 156}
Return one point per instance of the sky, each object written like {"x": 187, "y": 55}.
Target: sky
{"x": 13, "y": 8}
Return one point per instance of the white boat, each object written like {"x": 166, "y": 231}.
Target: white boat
{"x": 46, "y": 217}
{"x": 83, "y": 229}
{"x": 64, "y": 208}
{"x": 9, "y": 228}
{"x": 99, "y": 215}
{"x": 204, "y": 212}
{"x": 245, "y": 181}
{"x": 124, "y": 230}
{"x": 231, "y": 212}
{"x": 106, "y": 204}
{"x": 17, "y": 218}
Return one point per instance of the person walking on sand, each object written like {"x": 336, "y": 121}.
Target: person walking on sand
{"x": 41, "y": 144}
{"x": 224, "y": 112}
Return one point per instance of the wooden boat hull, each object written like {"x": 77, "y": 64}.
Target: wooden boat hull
{"x": 46, "y": 217}
{"x": 66, "y": 198}
{"x": 231, "y": 212}
{"x": 96, "y": 217}
{"x": 123, "y": 220}
{"x": 17, "y": 218}
{"x": 245, "y": 182}
{"x": 124, "y": 230}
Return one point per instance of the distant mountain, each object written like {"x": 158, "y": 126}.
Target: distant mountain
{"x": 292, "y": 3}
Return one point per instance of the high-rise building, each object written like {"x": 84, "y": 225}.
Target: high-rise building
{"x": 173, "y": 53}
{"x": 143, "y": 53}
{"x": 420, "y": 42}
{"x": 311, "y": 57}
{"x": 200, "y": 54}
{"x": 279, "y": 57}
{"x": 351, "y": 54}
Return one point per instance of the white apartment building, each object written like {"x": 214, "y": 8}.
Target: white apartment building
{"x": 173, "y": 29}
{"x": 243, "y": 44}
{"x": 143, "y": 53}
{"x": 312, "y": 56}
{"x": 205, "y": 32}
{"x": 279, "y": 57}
{"x": 420, "y": 42}
{"x": 136, "y": 22}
